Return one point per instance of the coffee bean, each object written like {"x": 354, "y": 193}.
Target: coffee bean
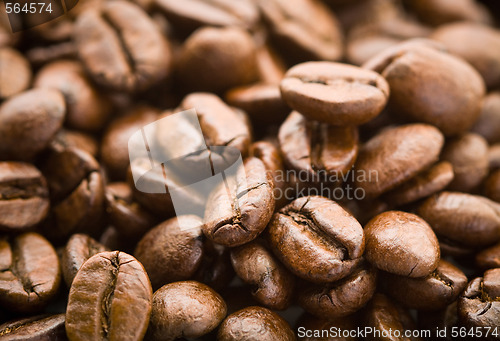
{"x": 334, "y": 93}
{"x": 87, "y": 109}
{"x": 433, "y": 292}
{"x": 238, "y": 213}
{"x": 489, "y": 258}
{"x": 23, "y": 196}
{"x": 462, "y": 219}
{"x": 488, "y": 124}
{"x": 28, "y": 122}
{"x": 270, "y": 65}
{"x": 36, "y": 328}
{"x": 121, "y": 47}
{"x": 79, "y": 248}
{"x": 340, "y": 298}
{"x": 272, "y": 284}
{"x": 66, "y": 139}
{"x": 494, "y": 156}
{"x": 172, "y": 251}
{"x": 215, "y": 268}
{"x": 255, "y": 323}
{"x": 396, "y": 155}
{"x": 316, "y": 239}
{"x": 439, "y": 12}
{"x": 188, "y": 309}
{"x": 110, "y": 299}
{"x": 30, "y": 273}
{"x": 15, "y": 71}
{"x": 401, "y": 243}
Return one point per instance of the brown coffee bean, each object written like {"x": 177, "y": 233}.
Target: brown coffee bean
{"x": 270, "y": 65}
{"x": 121, "y": 47}
{"x": 433, "y": 292}
{"x": 437, "y": 12}
{"x": 320, "y": 327}
{"x": 188, "y": 309}
{"x": 489, "y": 258}
{"x": 431, "y": 86}
{"x": 215, "y": 268}
{"x": 79, "y": 248}
{"x": 110, "y": 299}
{"x": 28, "y": 122}
{"x": 36, "y": 328}
{"x": 216, "y": 59}
{"x": 316, "y": 239}
{"x": 401, "y": 243}
{"x": 172, "y": 251}
{"x": 66, "y": 139}
{"x": 469, "y": 156}
{"x": 24, "y": 195}
{"x": 396, "y": 155}
{"x": 272, "y": 284}
{"x": 300, "y": 38}
{"x": 424, "y": 184}
{"x": 462, "y": 219}
{"x": 30, "y": 273}
{"x": 86, "y": 108}
{"x": 42, "y": 55}
{"x": 340, "y": 298}
{"x": 488, "y": 124}
{"x": 334, "y": 93}
{"x": 239, "y": 210}
{"x": 15, "y": 71}
{"x": 324, "y": 152}
{"x": 479, "y": 45}
{"x": 494, "y": 156}
{"x": 253, "y": 324}
{"x": 479, "y": 305}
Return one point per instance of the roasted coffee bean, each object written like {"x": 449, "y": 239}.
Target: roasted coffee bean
{"x": 215, "y": 268}
{"x": 462, "y": 219}
{"x": 253, "y": 324}
{"x": 424, "y": 184}
{"x": 270, "y": 66}
{"x": 15, "y": 71}
{"x": 401, "y": 243}
{"x": 431, "y": 86}
{"x": 272, "y": 284}
{"x": 316, "y": 239}
{"x": 335, "y": 93}
{"x": 488, "y": 124}
{"x": 110, "y": 299}
{"x": 66, "y": 139}
{"x": 121, "y": 47}
{"x": 217, "y": 59}
{"x": 396, "y": 155}
{"x": 433, "y": 292}
{"x": 324, "y": 152}
{"x": 172, "y": 251}
{"x": 36, "y": 328}
{"x": 321, "y": 328}
{"x": 185, "y": 309}
{"x": 24, "y": 195}
{"x": 86, "y": 108}
{"x": 30, "y": 273}
{"x": 29, "y": 121}
{"x": 469, "y": 156}
{"x": 340, "y": 298}
{"x": 79, "y": 248}
{"x": 479, "y": 305}
{"x": 494, "y": 156}
{"x": 489, "y": 258}
{"x": 437, "y": 12}
{"x": 300, "y": 38}
{"x": 239, "y": 210}
{"x": 42, "y": 55}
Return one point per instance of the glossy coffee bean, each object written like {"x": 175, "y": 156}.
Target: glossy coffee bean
{"x": 87, "y": 109}
{"x": 121, "y": 47}
{"x": 489, "y": 258}
{"x": 172, "y": 251}
{"x": 316, "y": 239}
{"x": 488, "y": 124}
{"x": 324, "y": 152}
{"x": 401, "y": 243}
{"x": 24, "y": 195}
{"x": 255, "y": 323}
{"x": 238, "y": 213}
{"x": 189, "y": 309}
{"x": 462, "y": 219}
{"x": 340, "y": 298}
{"x": 431, "y": 86}
{"x": 396, "y": 155}
{"x": 29, "y": 121}
{"x": 36, "y": 328}
{"x": 74, "y": 139}
{"x": 272, "y": 285}
{"x": 30, "y": 272}
{"x": 334, "y": 93}
{"x": 15, "y": 71}
{"x": 110, "y": 299}
{"x": 433, "y": 292}
{"x": 79, "y": 248}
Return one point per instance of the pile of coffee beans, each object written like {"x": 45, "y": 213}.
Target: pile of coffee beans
{"x": 366, "y": 205}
